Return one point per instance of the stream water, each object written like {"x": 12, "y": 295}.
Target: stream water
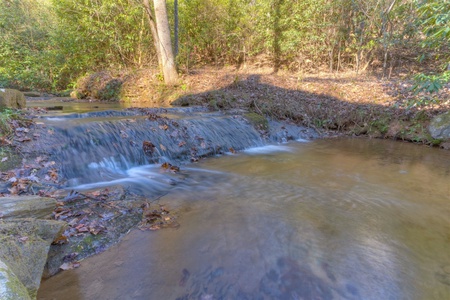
{"x": 327, "y": 219}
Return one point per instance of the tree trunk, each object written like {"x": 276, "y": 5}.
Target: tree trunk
{"x": 165, "y": 45}
{"x": 151, "y": 22}
{"x": 175, "y": 29}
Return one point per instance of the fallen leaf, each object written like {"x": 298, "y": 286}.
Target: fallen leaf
{"x": 53, "y": 174}
{"x": 97, "y": 229}
{"x": 123, "y": 134}
{"x": 153, "y": 117}
{"x": 174, "y": 169}
{"x": 163, "y": 148}
{"x": 4, "y": 159}
{"x": 14, "y": 190}
{"x": 23, "y": 239}
{"x": 69, "y": 265}
{"x": 60, "y": 240}
{"x": 148, "y": 147}
{"x": 174, "y": 134}
{"x": 73, "y": 222}
{"x": 48, "y": 164}
{"x": 69, "y": 257}
{"x": 39, "y": 159}
{"x": 83, "y": 229}
{"x": 154, "y": 227}
{"x": 23, "y": 139}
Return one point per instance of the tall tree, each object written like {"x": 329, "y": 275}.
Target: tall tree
{"x": 161, "y": 38}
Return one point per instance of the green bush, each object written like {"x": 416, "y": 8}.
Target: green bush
{"x": 6, "y": 117}
{"x": 430, "y": 83}
{"x": 48, "y": 44}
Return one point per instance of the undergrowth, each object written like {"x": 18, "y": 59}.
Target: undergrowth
{"x": 6, "y": 117}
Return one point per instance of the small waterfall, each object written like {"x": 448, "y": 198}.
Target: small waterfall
{"x": 97, "y": 145}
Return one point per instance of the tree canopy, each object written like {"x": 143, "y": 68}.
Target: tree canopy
{"x": 48, "y": 44}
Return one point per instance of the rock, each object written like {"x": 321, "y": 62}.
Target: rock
{"x": 440, "y": 126}
{"x": 32, "y": 94}
{"x": 282, "y": 132}
{"x": 24, "y": 246}
{"x": 445, "y": 146}
{"x": 10, "y": 286}
{"x": 26, "y": 207}
{"x": 11, "y": 98}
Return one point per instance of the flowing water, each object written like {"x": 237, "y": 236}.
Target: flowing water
{"x": 327, "y": 219}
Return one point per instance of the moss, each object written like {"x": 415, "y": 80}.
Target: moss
{"x": 258, "y": 121}
{"x": 14, "y": 158}
{"x": 212, "y": 104}
{"x": 13, "y": 288}
{"x": 92, "y": 244}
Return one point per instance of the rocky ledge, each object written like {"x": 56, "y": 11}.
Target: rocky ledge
{"x": 25, "y": 238}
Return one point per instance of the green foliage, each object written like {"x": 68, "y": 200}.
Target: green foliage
{"x": 48, "y": 44}
{"x": 430, "y": 83}
{"x": 294, "y": 34}
{"x": 6, "y": 117}
{"x": 97, "y": 35}
{"x": 111, "y": 91}
{"x": 381, "y": 125}
{"x": 25, "y": 47}
{"x": 435, "y": 21}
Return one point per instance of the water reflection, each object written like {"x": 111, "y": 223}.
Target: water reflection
{"x": 64, "y": 105}
{"x": 343, "y": 219}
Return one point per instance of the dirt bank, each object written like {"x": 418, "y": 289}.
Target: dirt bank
{"x": 345, "y": 103}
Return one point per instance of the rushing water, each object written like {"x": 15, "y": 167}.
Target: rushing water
{"x": 328, "y": 219}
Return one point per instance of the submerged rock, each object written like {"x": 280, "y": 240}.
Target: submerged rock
{"x": 11, "y": 98}
{"x": 440, "y": 126}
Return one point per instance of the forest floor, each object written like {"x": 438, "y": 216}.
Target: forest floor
{"x": 343, "y": 103}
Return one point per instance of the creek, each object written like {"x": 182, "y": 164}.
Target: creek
{"x": 324, "y": 219}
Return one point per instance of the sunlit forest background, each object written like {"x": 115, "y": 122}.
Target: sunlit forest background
{"x": 48, "y": 44}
